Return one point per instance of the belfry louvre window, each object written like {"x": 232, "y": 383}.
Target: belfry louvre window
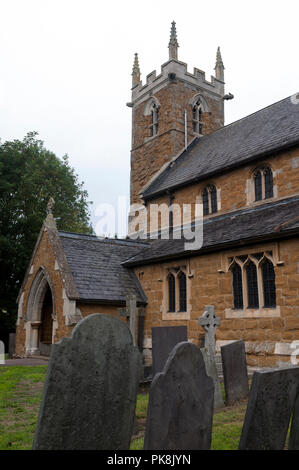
{"x": 197, "y": 122}
{"x": 209, "y": 199}
{"x": 263, "y": 183}
{"x": 154, "y": 126}
{"x": 253, "y": 281}
{"x": 177, "y": 291}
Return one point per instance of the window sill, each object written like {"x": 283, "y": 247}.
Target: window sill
{"x": 252, "y": 313}
{"x": 176, "y": 316}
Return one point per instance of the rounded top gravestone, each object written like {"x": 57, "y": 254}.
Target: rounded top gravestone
{"x": 91, "y": 388}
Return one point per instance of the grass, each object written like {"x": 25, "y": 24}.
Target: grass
{"x": 20, "y": 397}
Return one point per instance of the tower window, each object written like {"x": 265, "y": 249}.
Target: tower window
{"x": 209, "y": 199}
{"x": 263, "y": 183}
{"x": 197, "y": 122}
{"x": 154, "y": 126}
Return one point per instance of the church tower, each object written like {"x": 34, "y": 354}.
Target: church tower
{"x": 169, "y": 111}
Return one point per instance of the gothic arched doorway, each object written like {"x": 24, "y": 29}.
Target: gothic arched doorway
{"x": 40, "y": 315}
{"x": 46, "y": 327}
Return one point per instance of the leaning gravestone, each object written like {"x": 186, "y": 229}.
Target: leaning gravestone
{"x": 180, "y": 409}
{"x": 164, "y": 339}
{"x": 234, "y": 371}
{"x": 270, "y": 404}
{"x": 212, "y": 372}
{"x": 91, "y": 387}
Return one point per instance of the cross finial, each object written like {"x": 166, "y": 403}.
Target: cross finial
{"x": 173, "y": 43}
{"x": 136, "y": 71}
{"x": 219, "y": 67}
{"x": 209, "y": 321}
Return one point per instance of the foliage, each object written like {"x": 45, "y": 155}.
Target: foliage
{"x": 29, "y": 175}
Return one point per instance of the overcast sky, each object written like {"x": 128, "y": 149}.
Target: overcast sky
{"x": 65, "y": 69}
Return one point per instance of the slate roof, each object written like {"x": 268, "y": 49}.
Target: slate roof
{"x": 267, "y": 221}
{"x": 96, "y": 267}
{"x": 255, "y": 136}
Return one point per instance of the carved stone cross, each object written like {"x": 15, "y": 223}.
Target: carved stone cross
{"x": 209, "y": 321}
{"x": 130, "y": 312}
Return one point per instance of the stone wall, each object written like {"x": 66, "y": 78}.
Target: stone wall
{"x": 149, "y": 154}
{"x": 267, "y": 334}
{"x": 235, "y": 189}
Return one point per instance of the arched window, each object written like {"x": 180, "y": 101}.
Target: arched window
{"x": 205, "y": 201}
{"x": 182, "y": 291}
{"x": 154, "y": 126}
{"x": 269, "y": 284}
{"x": 171, "y": 293}
{"x": 268, "y": 183}
{"x": 237, "y": 286}
{"x": 258, "y": 186}
{"x": 197, "y": 117}
{"x": 263, "y": 183}
{"x": 252, "y": 286}
{"x": 209, "y": 199}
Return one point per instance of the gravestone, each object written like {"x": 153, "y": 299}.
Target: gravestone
{"x": 271, "y": 401}
{"x": 180, "y": 409}
{"x": 209, "y": 321}
{"x": 91, "y": 387}
{"x": 130, "y": 312}
{"x": 294, "y": 432}
{"x": 212, "y": 372}
{"x": 234, "y": 371}
{"x": 164, "y": 339}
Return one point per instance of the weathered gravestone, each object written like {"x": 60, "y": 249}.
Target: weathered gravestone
{"x": 294, "y": 432}
{"x": 180, "y": 409}
{"x": 11, "y": 345}
{"x": 130, "y": 312}
{"x": 234, "y": 371}
{"x": 91, "y": 387}
{"x": 209, "y": 321}
{"x": 164, "y": 339}
{"x": 271, "y": 401}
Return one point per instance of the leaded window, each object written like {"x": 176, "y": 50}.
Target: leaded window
{"x": 253, "y": 296}
{"x": 253, "y": 279}
{"x": 269, "y": 284}
{"x": 237, "y": 286}
{"x": 209, "y": 199}
{"x": 182, "y": 291}
{"x": 171, "y": 293}
{"x": 263, "y": 184}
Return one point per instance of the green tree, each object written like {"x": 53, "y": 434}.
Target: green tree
{"x": 29, "y": 175}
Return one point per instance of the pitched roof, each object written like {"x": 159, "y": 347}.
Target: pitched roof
{"x": 267, "y": 221}
{"x": 97, "y": 270}
{"x": 266, "y": 131}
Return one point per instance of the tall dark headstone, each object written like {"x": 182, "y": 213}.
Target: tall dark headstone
{"x": 91, "y": 388}
{"x": 181, "y": 402}
{"x": 235, "y": 373}
{"x": 271, "y": 401}
{"x": 11, "y": 344}
{"x": 164, "y": 339}
{"x": 294, "y": 432}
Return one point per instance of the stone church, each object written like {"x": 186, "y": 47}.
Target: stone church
{"x": 246, "y": 175}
